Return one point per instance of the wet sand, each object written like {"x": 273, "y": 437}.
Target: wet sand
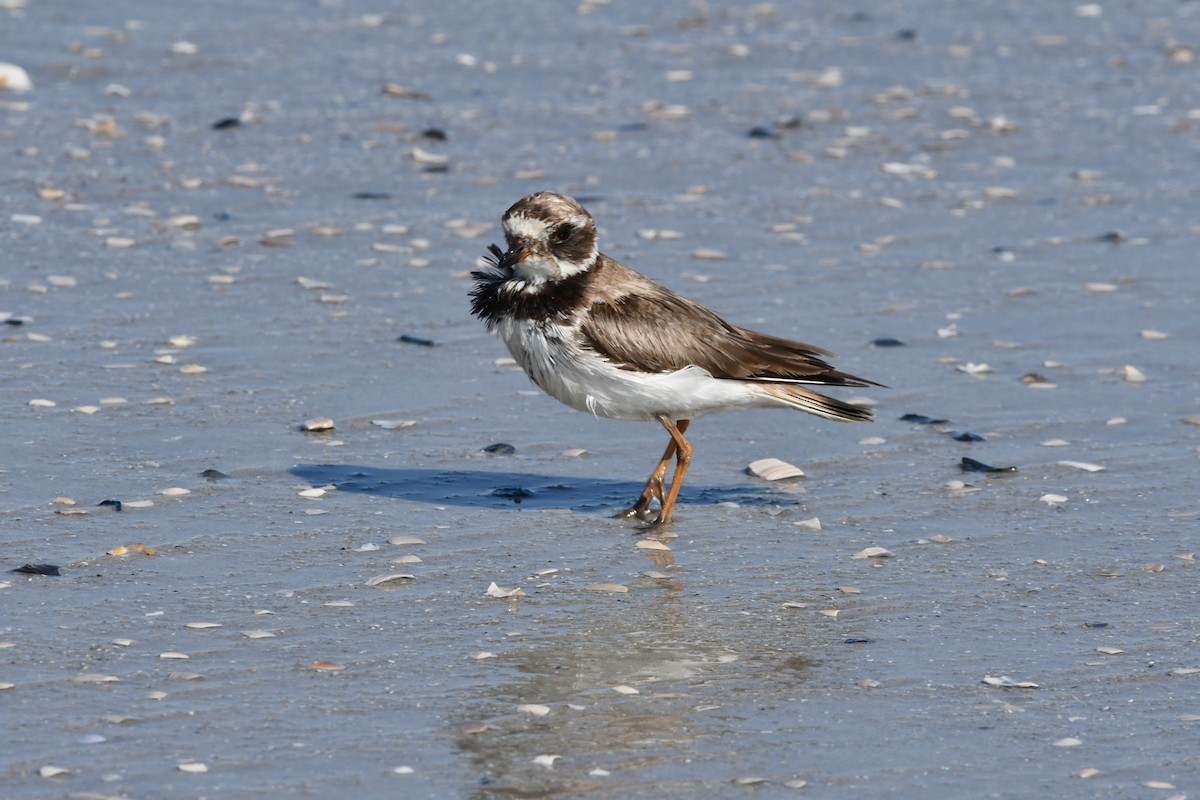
{"x": 1004, "y": 184}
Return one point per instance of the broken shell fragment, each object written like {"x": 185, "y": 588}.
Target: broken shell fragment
{"x": 609, "y": 587}
{"x": 318, "y": 424}
{"x": 1008, "y": 683}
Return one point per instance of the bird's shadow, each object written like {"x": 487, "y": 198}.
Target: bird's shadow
{"x": 499, "y": 489}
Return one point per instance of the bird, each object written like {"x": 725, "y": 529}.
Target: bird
{"x": 604, "y": 339}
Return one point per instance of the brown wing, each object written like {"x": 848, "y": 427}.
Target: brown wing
{"x": 656, "y": 330}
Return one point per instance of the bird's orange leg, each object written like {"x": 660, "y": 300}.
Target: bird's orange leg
{"x": 654, "y": 486}
{"x": 683, "y": 457}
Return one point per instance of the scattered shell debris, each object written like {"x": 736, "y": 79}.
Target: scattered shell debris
{"x": 623, "y": 689}
{"x": 402, "y": 539}
{"x": 495, "y": 590}
{"x": 536, "y": 709}
{"x": 546, "y": 761}
{"x": 810, "y": 524}
{"x": 1006, "y": 682}
{"x": 193, "y": 767}
{"x": 1053, "y": 499}
{"x": 318, "y": 424}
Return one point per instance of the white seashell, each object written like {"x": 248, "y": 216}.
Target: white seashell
{"x": 14, "y": 78}
{"x": 194, "y": 767}
{"x": 810, "y": 524}
{"x": 1132, "y": 374}
{"x": 772, "y": 469}
{"x": 498, "y": 591}
{"x": 873, "y": 552}
{"x": 1052, "y": 499}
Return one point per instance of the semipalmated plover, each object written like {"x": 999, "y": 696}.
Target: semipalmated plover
{"x": 594, "y": 334}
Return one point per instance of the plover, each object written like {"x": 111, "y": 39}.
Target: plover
{"x": 594, "y": 334}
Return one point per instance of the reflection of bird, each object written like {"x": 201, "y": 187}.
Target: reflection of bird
{"x": 602, "y": 338}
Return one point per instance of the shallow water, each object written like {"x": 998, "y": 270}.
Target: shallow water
{"x": 1080, "y": 125}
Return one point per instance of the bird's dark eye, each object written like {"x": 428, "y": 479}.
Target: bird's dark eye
{"x": 561, "y": 234}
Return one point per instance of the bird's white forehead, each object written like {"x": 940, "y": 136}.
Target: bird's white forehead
{"x": 523, "y": 227}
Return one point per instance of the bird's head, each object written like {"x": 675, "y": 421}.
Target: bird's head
{"x": 548, "y": 237}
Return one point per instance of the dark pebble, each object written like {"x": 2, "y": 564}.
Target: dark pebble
{"x": 225, "y": 123}
{"x": 115, "y": 505}
{"x": 37, "y": 569}
{"x": 17, "y": 322}
{"x": 907, "y": 34}
{"x": 1112, "y": 237}
{"x": 371, "y": 196}
{"x": 213, "y": 475}
{"x": 1034, "y": 377}
{"x": 514, "y": 493}
{"x": 434, "y": 134}
{"x": 857, "y": 641}
{"x": 967, "y": 437}
{"x": 417, "y": 340}
{"x": 921, "y": 419}
{"x": 887, "y": 343}
{"x": 759, "y": 132}
{"x": 971, "y": 465}
{"x": 1095, "y": 624}
{"x": 500, "y": 449}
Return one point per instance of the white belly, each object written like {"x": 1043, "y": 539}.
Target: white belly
{"x": 583, "y": 380}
